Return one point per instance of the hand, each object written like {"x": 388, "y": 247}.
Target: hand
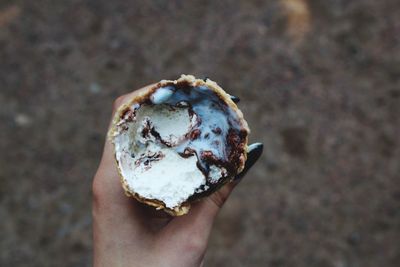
{"x": 128, "y": 233}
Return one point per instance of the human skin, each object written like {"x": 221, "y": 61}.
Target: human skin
{"x": 129, "y": 233}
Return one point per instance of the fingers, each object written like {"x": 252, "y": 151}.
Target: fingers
{"x": 198, "y": 222}
{"x": 255, "y": 151}
{"x": 107, "y": 182}
{"x": 109, "y": 201}
{"x": 123, "y": 99}
{"x": 190, "y": 232}
{"x": 107, "y": 163}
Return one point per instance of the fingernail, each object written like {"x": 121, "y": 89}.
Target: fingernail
{"x": 235, "y": 99}
{"x": 255, "y": 151}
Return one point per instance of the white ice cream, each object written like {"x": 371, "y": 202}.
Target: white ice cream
{"x": 159, "y": 142}
{"x": 169, "y": 177}
{"x": 216, "y": 173}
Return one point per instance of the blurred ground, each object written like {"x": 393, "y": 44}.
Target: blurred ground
{"x": 319, "y": 83}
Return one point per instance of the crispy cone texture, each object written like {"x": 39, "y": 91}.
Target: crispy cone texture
{"x": 140, "y": 98}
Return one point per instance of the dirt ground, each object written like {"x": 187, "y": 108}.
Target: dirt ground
{"x": 319, "y": 83}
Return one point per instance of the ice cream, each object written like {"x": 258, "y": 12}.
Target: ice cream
{"x": 177, "y": 142}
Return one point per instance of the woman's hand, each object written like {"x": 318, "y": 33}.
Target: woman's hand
{"x": 128, "y": 233}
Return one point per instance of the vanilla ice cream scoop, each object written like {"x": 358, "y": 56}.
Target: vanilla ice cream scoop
{"x": 177, "y": 142}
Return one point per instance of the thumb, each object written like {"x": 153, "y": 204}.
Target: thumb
{"x": 190, "y": 232}
{"x": 194, "y": 228}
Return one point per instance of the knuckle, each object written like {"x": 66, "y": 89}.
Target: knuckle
{"x": 220, "y": 197}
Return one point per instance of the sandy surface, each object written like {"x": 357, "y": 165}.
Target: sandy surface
{"x": 320, "y": 87}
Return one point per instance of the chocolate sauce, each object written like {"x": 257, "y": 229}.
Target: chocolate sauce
{"x": 217, "y": 137}
{"x": 191, "y": 121}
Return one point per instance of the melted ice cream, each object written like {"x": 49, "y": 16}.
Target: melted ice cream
{"x": 175, "y": 145}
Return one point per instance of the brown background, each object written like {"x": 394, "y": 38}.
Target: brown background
{"x": 320, "y": 87}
